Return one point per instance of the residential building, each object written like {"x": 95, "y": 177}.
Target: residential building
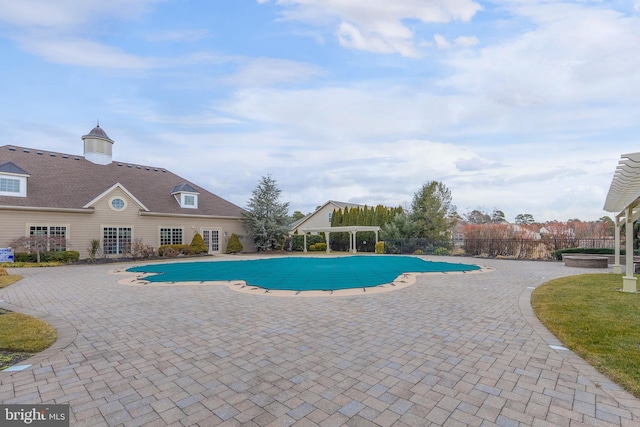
{"x": 82, "y": 198}
{"x": 321, "y": 217}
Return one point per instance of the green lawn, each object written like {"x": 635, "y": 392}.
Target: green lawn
{"x": 21, "y": 336}
{"x": 596, "y": 321}
{"x": 9, "y": 280}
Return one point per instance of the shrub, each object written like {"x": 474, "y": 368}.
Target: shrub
{"x": 441, "y": 251}
{"x": 30, "y": 264}
{"x": 234, "y": 246}
{"x": 321, "y": 246}
{"x": 179, "y": 248}
{"x": 297, "y": 241}
{"x": 169, "y": 252}
{"x": 197, "y": 245}
{"x": 62, "y": 256}
{"x": 24, "y": 257}
{"x": 54, "y": 256}
{"x": 139, "y": 250}
{"x": 93, "y": 249}
{"x": 380, "y": 247}
{"x": 3, "y": 271}
{"x": 418, "y": 252}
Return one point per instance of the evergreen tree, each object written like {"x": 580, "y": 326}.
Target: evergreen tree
{"x": 197, "y": 244}
{"x": 336, "y": 218}
{"x": 432, "y": 211}
{"x": 234, "y": 246}
{"x": 400, "y": 228}
{"x": 266, "y": 218}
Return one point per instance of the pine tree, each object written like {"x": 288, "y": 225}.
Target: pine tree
{"x": 234, "y": 246}
{"x": 432, "y": 211}
{"x": 197, "y": 244}
{"x": 266, "y": 218}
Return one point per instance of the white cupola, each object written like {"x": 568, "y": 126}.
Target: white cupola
{"x": 97, "y": 146}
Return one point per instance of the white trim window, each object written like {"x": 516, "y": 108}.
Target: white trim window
{"x": 117, "y": 203}
{"x": 13, "y": 186}
{"x": 54, "y": 237}
{"x": 189, "y": 200}
{"x": 116, "y": 240}
{"x": 170, "y": 236}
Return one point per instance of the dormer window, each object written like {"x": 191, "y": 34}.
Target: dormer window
{"x": 13, "y": 180}
{"x": 186, "y": 196}
{"x": 189, "y": 200}
{"x": 9, "y": 185}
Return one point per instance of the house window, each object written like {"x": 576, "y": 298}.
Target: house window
{"x": 51, "y": 238}
{"x": 116, "y": 240}
{"x": 9, "y": 185}
{"x": 118, "y": 204}
{"x": 330, "y": 216}
{"x": 170, "y": 236}
{"x": 189, "y": 201}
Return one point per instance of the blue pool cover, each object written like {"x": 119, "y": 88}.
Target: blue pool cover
{"x": 301, "y": 273}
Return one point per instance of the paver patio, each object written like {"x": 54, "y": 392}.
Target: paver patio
{"x": 452, "y": 350}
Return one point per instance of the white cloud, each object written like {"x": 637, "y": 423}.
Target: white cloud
{"x": 377, "y": 25}
{"x": 562, "y": 73}
{"x": 351, "y": 37}
{"x": 462, "y": 42}
{"x": 68, "y": 14}
{"x": 271, "y": 71}
{"x": 85, "y": 53}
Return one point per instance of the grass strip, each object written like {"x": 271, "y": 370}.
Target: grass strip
{"x": 22, "y": 333}
{"x": 9, "y": 280}
{"x": 597, "y": 322}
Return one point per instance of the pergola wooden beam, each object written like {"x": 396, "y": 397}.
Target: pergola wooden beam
{"x": 353, "y": 229}
{"x": 624, "y": 198}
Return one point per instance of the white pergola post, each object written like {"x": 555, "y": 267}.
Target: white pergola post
{"x": 617, "y": 268}
{"x": 624, "y": 197}
{"x": 353, "y": 242}
{"x": 326, "y": 236}
{"x": 352, "y": 230}
{"x": 629, "y": 281}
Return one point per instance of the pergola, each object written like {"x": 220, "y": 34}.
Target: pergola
{"x": 353, "y": 229}
{"x": 624, "y": 198}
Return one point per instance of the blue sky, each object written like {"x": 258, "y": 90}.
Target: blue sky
{"x": 523, "y": 106}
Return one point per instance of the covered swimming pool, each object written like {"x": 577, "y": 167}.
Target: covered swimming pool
{"x": 301, "y": 273}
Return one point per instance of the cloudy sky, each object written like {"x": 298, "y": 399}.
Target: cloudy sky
{"x": 519, "y": 105}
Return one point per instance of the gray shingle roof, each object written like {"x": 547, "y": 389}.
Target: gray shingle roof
{"x": 11, "y": 168}
{"x": 183, "y": 187}
{"x": 70, "y": 181}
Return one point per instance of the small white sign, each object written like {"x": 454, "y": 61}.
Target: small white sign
{"x": 6, "y": 254}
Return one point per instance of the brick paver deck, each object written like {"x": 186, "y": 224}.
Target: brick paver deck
{"x": 451, "y": 350}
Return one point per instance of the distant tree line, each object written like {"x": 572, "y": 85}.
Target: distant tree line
{"x": 360, "y": 215}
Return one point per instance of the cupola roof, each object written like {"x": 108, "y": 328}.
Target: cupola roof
{"x": 98, "y": 132}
